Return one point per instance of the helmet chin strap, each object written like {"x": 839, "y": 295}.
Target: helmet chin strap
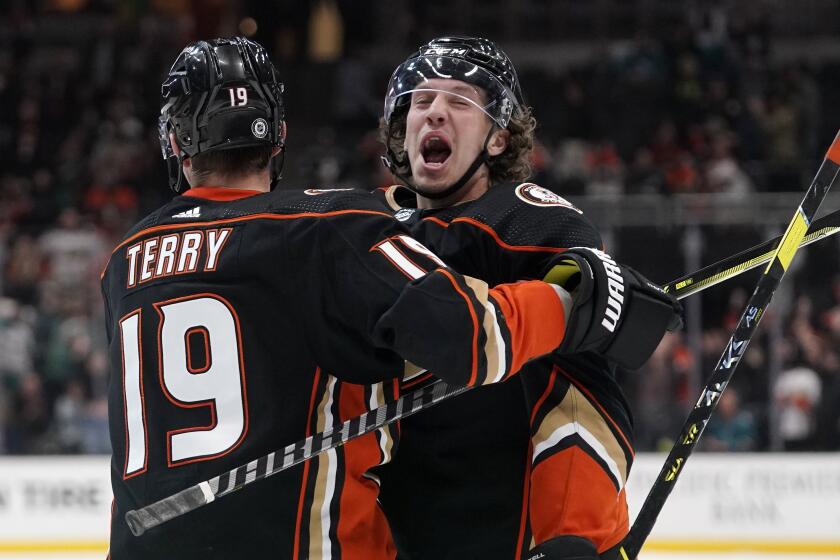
{"x": 482, "y": 158}
{"x": 277, "y": 168}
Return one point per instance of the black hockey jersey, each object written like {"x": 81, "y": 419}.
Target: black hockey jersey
{"x": 240, "y": 322}
{"x": 487, "y": 474}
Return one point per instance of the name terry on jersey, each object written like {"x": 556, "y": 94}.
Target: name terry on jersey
{"x": 174, "y": 253}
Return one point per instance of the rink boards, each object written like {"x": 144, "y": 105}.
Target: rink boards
{"x": 723, "y": 504}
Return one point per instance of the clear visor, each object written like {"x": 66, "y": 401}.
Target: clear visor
{"x": 423, "y": 74}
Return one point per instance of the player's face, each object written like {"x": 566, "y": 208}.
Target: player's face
{"x": 445, "y": 131}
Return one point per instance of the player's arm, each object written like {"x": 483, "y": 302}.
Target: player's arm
{"x": 628, "y": 314}
{"x": 392, "y": 295}
{"x": 468, "y": 333}
{"x": 591, "y": 303}
{"x": 382, "y": 297}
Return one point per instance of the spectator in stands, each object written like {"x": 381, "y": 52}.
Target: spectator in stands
{"x": 73, "y": 249}
{"x": 606, "y": 170}
{"x": 780, "y": 122}
{"x": 797, "y": 395}
{"x": 22, "y": 270}
{"x": 731, "y": 428}
{"x": 643, "y": 175}
{"x": 657, "y": 392}
{"x": 28, "y": 424}
{"x": 17, "y": 343}
{"x": 722, "y": 174}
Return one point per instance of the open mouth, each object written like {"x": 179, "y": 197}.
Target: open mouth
{"x": 435, "y": 149}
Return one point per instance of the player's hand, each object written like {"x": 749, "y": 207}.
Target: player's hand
{"x": 616, "y": 311}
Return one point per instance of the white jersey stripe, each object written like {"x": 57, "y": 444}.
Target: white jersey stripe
{"x": 401, "y": 261}
{"x": 382, "y": 437}
{"x": 500, "y": 343}
{"x": 566, "y": 430}
{"x": 332, "y": 463}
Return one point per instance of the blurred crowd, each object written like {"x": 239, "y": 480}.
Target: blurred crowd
{"x": 785, "y": 395}
{"x": 703, "y": 107}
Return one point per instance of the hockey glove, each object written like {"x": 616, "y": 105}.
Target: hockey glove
{"x": 616, "y": 311}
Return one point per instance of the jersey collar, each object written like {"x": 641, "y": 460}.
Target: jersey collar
{"x": 221, "y": 194}
{"x": 399, "y": 197}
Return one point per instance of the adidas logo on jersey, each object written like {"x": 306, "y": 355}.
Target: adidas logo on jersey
{"x": 191, "y": 213}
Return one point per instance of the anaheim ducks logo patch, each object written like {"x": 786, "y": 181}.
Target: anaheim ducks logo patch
{"x": 404, "y": 214}
{"x": 540, "y": 196}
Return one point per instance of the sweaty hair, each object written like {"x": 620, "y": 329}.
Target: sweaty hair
{"x": 513, "y": 164}
{"x": 236, "y": 161}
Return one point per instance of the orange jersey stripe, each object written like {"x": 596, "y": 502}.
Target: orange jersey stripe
{"x": 574, "y": 490}
{"x": 530, "y": 338}
{"x": 495, "y": 236}
{"x": 416, "y": 381}
{"x": 263, "y": 216}
{"x": 363, "y": 531}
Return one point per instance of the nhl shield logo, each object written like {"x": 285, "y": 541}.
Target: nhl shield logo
{"x": 259, "y": 128}
{"x": 540, "y": 196}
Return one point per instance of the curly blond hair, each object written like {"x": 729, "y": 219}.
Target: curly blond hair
{"x": 514, "y": 164}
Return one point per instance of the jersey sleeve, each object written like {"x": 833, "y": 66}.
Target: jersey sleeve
{"x": 383, "y": 298}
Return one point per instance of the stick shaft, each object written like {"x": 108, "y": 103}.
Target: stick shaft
{"x": 203, "y": 493}
{"x": 767, "y": 284}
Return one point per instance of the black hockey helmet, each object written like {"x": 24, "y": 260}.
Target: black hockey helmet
{"x": 473, "y": 60}
{"x": 219, "y": 95}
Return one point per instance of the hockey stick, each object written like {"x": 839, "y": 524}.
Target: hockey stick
{"x": 694, "y": 425}
{"x": 748, "y": 259}
{"x": 205, "y": 492}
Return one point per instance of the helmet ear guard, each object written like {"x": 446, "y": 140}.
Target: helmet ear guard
{"x": 220, "y": 94}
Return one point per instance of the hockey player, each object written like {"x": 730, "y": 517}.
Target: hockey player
{"x": 482, "y": 476}
{"x": 239, "y": 319}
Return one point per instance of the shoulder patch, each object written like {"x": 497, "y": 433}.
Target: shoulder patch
{"x": 404, "y": 214}
{"x": 540, "y": 196}
{"x": 314, "y": 192}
